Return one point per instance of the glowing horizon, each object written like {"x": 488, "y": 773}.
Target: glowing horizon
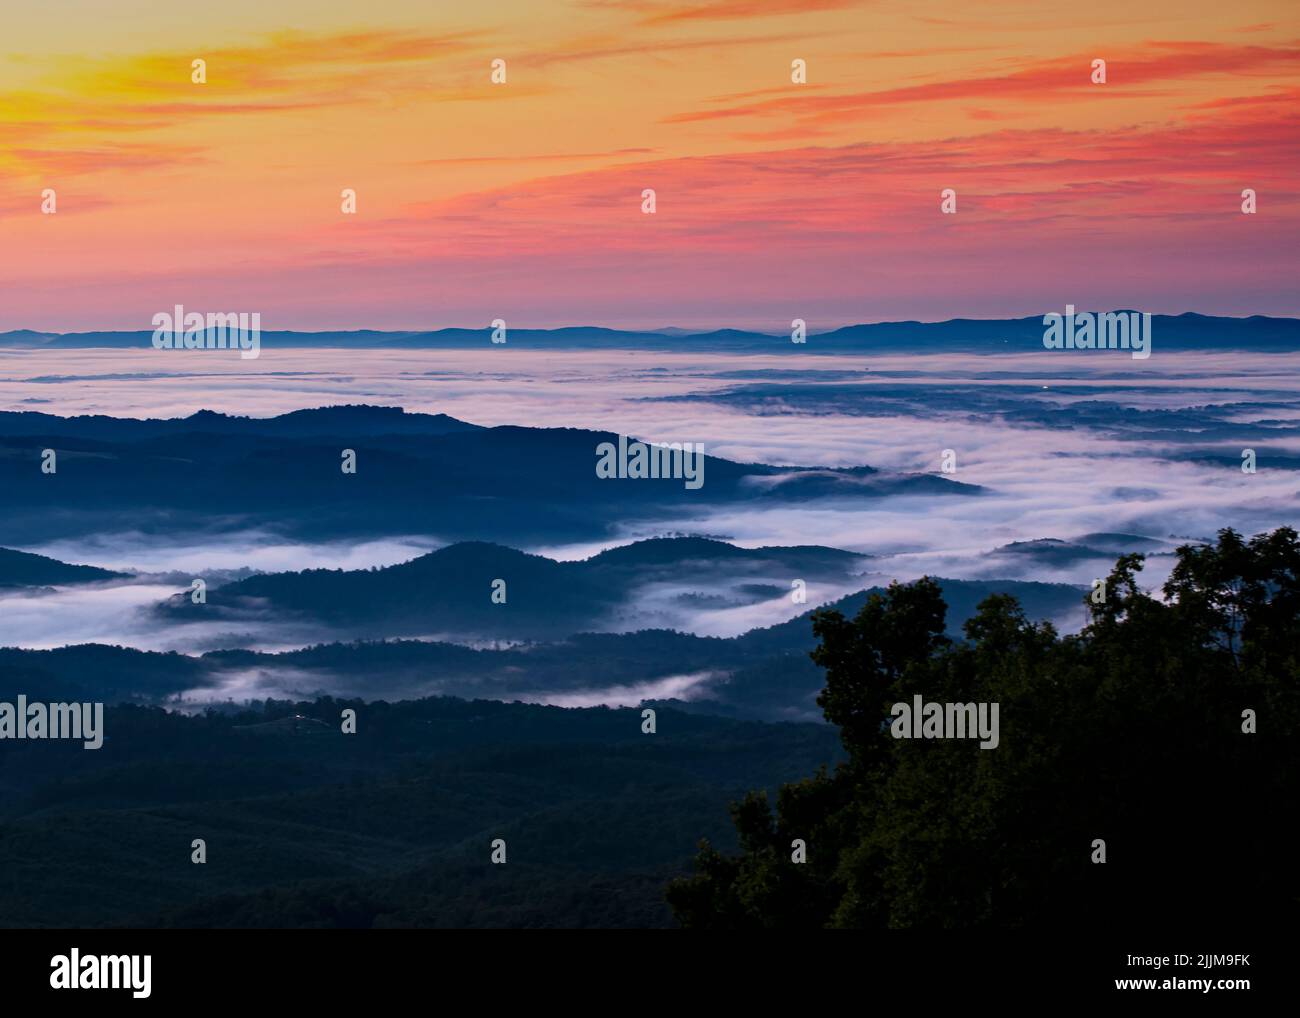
{"x": 523, "y": 200}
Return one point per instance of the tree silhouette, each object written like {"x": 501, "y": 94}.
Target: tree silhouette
{"x": 1131, "y": 732}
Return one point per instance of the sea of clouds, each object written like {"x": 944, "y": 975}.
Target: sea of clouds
{"x": 1064, "y": 444}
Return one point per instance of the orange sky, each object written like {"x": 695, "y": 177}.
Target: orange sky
{"x": 523, "y": 201}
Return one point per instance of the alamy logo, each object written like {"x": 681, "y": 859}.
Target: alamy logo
{"x": 102, "y": 972}
{"x": 1112, "y": 330}
{"x": 182, "y": 330}
{"x": 920, "y": 720}
{"x": 678, "y": 460}
{"x": 84, "y": 721}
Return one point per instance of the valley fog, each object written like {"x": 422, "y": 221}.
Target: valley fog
{"x": 1061, "y": 447}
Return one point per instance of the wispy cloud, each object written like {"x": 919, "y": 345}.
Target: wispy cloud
{"x": 1038, "y": 82}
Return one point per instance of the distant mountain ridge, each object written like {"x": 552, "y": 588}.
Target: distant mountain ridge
{"x": 415, "y": 474}
{"x": 1188, "y": 331}
{"x": 765, "y": 673}
{"x": 477, "y": 589}
{"x": 23, "y": 569}
{"x": 350, "y": 418}
{"x": 1051, "y": 551}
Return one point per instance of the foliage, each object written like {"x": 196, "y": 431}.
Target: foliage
{"x": 1130, "y": 732}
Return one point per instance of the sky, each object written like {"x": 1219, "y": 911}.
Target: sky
{"x": 774, "y": 200}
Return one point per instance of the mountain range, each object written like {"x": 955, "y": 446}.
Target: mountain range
{"x": 414, "y": 474}
{"x": 481, "y": 590}
{"x": 763, "y": 674}
{"x": 1171, "y": 332}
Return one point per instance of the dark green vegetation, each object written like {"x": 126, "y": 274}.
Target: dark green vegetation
{"x": 391, "y": 826}
{"x": 1131, "y": 732}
